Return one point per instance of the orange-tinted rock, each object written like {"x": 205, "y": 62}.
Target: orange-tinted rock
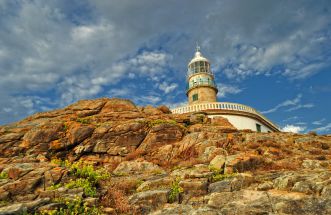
{"x": 149, "y": 110}
{"x": 164, "y": 109}
{"x": 162, "y": 134}
{"x": 79, "y": 133}
{"x": 82, "y": 105}
{"x": 42, "y": 135}
{"x": 118, "y": 105}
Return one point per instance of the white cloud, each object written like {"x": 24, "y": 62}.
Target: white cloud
{"x": 324, "y": 129}
{"x": 224, "y": 90}
{"x": 167, "y": 88}
{"x": 286, "y": 103}
{"x": 293, "y": 128}
{"x": 149, "y": 99}
{"x": 301, "y": 106}
{"x": 294, "y": 104}
{"x": 318, "y": 122}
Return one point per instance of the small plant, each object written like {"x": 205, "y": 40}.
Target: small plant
{"x": 89, "y": 188}
{"x": 218, "y": 174}
{"x": 175, "y": 190}
{"x": 82, "y": 170}
{"x": 65, "y": 127}
{"x": 160, "y": 122}
{"x": 3, "y": 175}
{"x": 72, "y": 207}
{"x": 83, "y": 120}
{"x": 55, "y": 186}
{"x": 57, "y": 161}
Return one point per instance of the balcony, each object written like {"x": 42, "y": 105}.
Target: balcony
{"x": 201, "y": 84}
{"x": 221, "y": 106}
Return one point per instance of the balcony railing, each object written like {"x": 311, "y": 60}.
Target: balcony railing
{"x": 201, "y": 83}
{"x": 220, "y": 106}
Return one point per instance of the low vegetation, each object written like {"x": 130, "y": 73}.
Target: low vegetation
{"x": 175, "y": 191}
{"x": 3, "y": 175}
{"x": 72, "y": 207}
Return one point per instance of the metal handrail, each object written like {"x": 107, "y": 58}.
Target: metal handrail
{"x": 220, "y": 106}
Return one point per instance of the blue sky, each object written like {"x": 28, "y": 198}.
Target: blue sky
{"x": 272, "y": 55}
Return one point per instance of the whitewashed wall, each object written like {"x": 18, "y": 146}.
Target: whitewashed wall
{"x": 242, "y": 122}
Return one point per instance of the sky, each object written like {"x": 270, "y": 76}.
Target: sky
{"x": 274, "y": 56}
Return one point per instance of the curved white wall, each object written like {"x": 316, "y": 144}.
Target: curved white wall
{"x": 242, "y": 122}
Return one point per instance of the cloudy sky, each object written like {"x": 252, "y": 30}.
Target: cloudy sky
{"x": 272, "y": 55}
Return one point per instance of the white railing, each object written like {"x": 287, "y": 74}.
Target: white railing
{"x": 220, "y": 106}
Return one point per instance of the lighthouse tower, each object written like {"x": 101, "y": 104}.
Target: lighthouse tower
{"x": 201, "y": 93}
{"x": 201, "y": 86}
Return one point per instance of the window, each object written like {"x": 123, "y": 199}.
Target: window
{"x": 258, "y": 127}
{"x": 195, "y": 97}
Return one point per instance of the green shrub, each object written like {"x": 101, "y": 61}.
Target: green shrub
{"x": 89, "y": 188}
{"x": 54, "y": 186}
{"x": 175, "y": 190}
{"x": 83, "y": 120}
{"x": 73, "y": 207}
{"x": 82, "y": 170}
{"x": 160, "y": 122}
{"x": 3, "y": 175}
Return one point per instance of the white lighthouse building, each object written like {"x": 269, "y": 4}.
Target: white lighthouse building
{"x": 201, "y": 93}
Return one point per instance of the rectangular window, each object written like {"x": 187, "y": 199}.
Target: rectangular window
{"x": 258, "y": 127}
{"x": 195, "y": 97}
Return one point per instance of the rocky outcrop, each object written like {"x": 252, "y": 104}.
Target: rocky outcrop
{"x": 159, "y": 163}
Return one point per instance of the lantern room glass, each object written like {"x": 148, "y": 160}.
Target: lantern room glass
{"x": 199, "y": 66}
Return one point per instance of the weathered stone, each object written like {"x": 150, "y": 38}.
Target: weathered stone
{"x": 118, "y": 105}
{"x": 13, "y": 209}
{"x": 137, "y": 167}
{"x": 265, "y": 186}
{"x": 193, "y": 185}
{"x": 218, "y": 162}
{"x": 149, "y": 200}
{"x": 79, "y": 133}
{"x": 302, "y": 186}
{"x": 42, "y": 135}
{"x": 164, "y": 109}
{"x": 81, "y": 105}
{"x": 50, "y": 207}
{"x": 156, "y": 184}
{"x": 22, "y": 186}
{"x": 149, "y": 110}
{"x": 198, "y": 171}
{"x": 172, "y": 209}
{"x": 242, "y": 162}
{"x": 311, "y": 164}
{"x": 161, "y": 134}
{"x": 220, "y": 186}
{"x": 10, "y": 137}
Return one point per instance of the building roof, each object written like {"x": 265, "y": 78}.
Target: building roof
{"x": 198, "y": 56}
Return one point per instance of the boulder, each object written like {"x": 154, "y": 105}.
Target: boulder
{"x": 42, "y": 135}
{"x": 149, "y": 110}
{"x": 164, "y": 109}
{"x": 161, "y": 134}
{"x": 10, "y": 137}
{"x": 79, "y": 133}
{"x": 155, "y": 184}
{"x": 82, "y": 105}
{"x": 13, "y": 209}
{"x": 145, "y": 202}
{"x": 137, "y": 167}
{"x": 218, "y": 162}
{"x": 118, "y": 105}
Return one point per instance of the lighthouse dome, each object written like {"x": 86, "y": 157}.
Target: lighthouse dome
{"x": 198, "y": 64}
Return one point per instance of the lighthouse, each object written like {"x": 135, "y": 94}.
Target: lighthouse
{"x": 202, "y": 91}
{"x": 201, "y": 85}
